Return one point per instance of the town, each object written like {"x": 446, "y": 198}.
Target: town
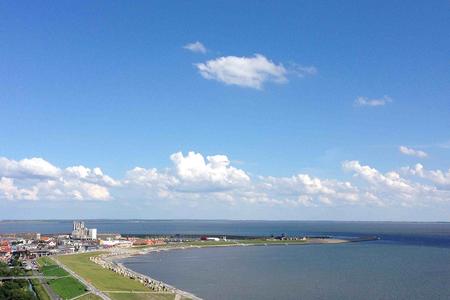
{"x": 30, "y": 266}
{"x": 59, "y": 266}
{"x": 27, "y": 246}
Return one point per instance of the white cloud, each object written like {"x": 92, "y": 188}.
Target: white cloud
{"x": 391, "y": 180}
{"x": 195, "y": 173}
{"x": 28, "y": 167}
{"x": 36, "y": 178}
{"x": 303, "y": 189}
{"x": 9, "y": 191}
{"x": 90, "y": 175}
{"x": 192, "y": 178}
{"x": 196, "y": 47}
{"x": 195, "y": 179}
{"x": 364, "y": 101}
{"x": 252, "y": 72}
{"x": 394, "y": 189}
{"x": 190, "y": 174}
{"x": 412, "y": 152}
{"x": 436, "y": 176}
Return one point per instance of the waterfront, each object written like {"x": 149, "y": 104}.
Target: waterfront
{"x": 409, "y": 261}
{"x": 366, "y": 270}
{"x": 427, "y": 234}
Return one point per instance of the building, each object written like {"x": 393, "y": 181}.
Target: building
{"x": 5, "y": 251}
{"x": 116, "y": 243}
{"x": 209, "y": 238}
{"x": 81, "y": 232}
{"x": 92, "y": 233}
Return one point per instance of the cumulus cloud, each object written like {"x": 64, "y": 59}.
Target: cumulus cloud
{"x": 196, "y": 47}
{"x": 195, "y": 178}
{"x": 35, "y": 178}
{"x": 365, "y": 101}
{"x": 436, "y": 176}
{"x": 195, "y": 173}
{"x": 28, "y": 167}
{"x": 391, "y": 180}
{"x": 9, "y": 191}
{"x": 393, "y": 189}
{"x": 251, "y": 72}
{"x": 412, "y": 152}
{"x": 88, "y": 175}
{"x": 306, "y": 190}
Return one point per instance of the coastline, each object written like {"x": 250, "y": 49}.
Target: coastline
{"x": 118, "y": 254}
{"x": 111, "y": 259}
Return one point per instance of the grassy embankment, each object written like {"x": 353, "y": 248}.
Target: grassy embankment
{"x": 66, "y": 287}
{"x": 116, "y": 286}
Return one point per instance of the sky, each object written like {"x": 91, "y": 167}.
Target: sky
{"x": 280, "y": 110}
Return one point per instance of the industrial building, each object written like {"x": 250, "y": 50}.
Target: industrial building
{"x": 81, "y": 232}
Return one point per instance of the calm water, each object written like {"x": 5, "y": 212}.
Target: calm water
{"x": 412, "y": 261}
{"x": 368, "y": 270}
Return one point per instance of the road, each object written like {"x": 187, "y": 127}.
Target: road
{"x": 90, "y": 287}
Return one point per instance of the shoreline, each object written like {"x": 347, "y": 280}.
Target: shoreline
{"x": 111, "y": 259}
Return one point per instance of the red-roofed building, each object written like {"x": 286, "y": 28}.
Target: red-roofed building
{"x": 5, "y": 251}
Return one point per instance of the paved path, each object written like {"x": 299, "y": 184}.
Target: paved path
{"x": 90, "y": 287}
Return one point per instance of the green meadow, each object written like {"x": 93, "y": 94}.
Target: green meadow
{"x": 117, "y": 287}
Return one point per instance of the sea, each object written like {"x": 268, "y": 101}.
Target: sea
{"x": 409, "y": 261}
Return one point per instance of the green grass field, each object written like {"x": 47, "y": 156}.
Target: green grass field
{"x": 67, "y": 287}
{"x": 106, "y": 280}
{"x": 53, "y": 271}
{"x": 45, "y": 261}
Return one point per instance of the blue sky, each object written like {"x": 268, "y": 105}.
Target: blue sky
{"x": 336, "y": 86}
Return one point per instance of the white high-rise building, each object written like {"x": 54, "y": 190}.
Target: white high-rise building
{"x": 93, "y": 233}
